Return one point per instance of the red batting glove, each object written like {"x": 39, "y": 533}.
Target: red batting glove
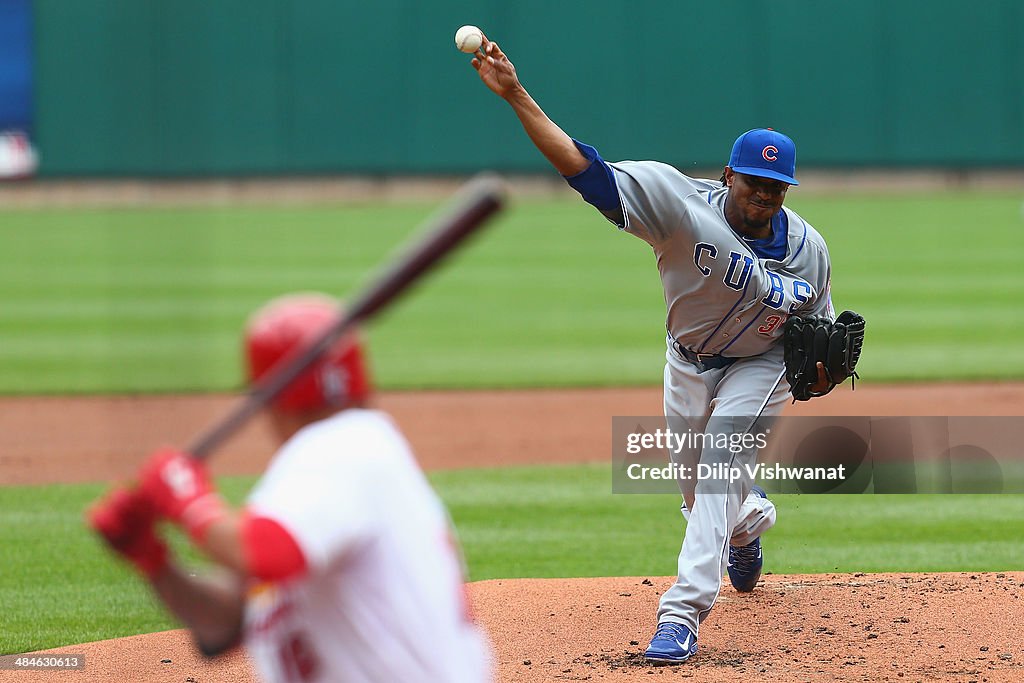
{"x": 125, "y": 521}
{"x": 180, "y": 489}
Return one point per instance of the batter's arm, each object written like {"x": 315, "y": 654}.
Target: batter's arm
{"x": 253, "y": 545}
{"x": 499, "y": 74}
{"x": 211, "y": 605}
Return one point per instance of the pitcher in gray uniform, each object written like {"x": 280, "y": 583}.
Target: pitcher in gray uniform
{"x": 734, "y": 264}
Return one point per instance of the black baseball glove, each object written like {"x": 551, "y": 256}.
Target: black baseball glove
{"x": 836, "y": 345}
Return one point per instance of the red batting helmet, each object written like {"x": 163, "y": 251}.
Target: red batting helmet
{"x": 284, "y": 328}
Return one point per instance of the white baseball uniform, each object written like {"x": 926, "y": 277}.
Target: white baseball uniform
{"x": 382, "y": 599}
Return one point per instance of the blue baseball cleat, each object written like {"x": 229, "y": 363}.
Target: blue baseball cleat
{"x": 672, "y": 643}
{"x": 745, "y": 561}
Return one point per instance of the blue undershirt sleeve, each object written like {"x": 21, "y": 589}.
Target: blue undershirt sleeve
{"x": 596, "y": 184}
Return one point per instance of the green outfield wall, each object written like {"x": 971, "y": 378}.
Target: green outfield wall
{"x": 145, "y": 87}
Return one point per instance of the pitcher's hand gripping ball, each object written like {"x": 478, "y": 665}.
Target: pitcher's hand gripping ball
{"x": 836, "y": 345}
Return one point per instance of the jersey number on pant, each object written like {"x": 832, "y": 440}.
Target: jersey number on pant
{"x": 298, "y": 661}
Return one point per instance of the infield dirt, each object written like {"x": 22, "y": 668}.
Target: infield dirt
{"x": 874, "y": 627}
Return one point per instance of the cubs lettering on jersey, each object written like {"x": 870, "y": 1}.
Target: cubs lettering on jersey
{"x": 721, "y": 297}
{"x": 799, "y": 292}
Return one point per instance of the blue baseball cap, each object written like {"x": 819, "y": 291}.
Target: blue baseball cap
{"x": 766, "y": 153}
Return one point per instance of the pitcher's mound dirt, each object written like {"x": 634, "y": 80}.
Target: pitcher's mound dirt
{"x": 800, "y": 629}
{"x": 873, "y": 627}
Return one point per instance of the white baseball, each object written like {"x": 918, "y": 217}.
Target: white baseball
{"x": 469, "y": 38}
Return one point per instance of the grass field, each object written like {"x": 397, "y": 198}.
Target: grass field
{"x": 60, "y": 587}
{"x": 152, "y": 300}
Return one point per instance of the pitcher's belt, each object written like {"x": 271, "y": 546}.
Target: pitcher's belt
{"x": 703, "y": 361}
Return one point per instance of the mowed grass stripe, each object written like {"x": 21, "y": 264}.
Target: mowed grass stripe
{"x": 552, "y": 295}
{"x": 952, "y": 361}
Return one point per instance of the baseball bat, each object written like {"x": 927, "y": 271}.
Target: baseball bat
{"x": 471, "y": 208}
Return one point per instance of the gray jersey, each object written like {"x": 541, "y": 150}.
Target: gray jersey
{"x": 720, "y": 296}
